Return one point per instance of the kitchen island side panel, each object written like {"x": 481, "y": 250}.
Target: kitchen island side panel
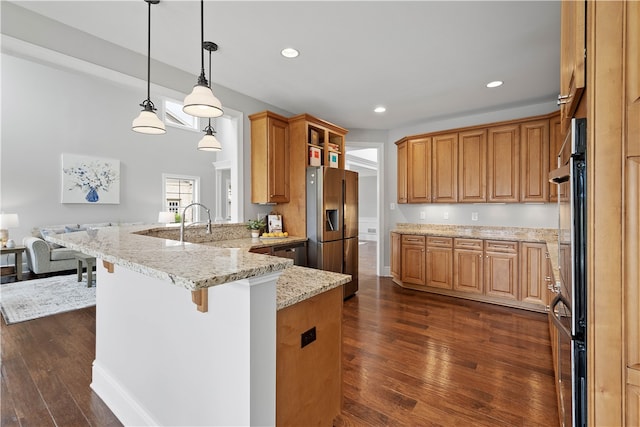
{"x": 159, "y": 361}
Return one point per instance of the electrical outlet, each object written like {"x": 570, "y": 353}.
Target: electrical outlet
{"x": 392, "y": 206}
{"x": 307, "y": 337}
{"x": 474, "y": 216}
{"x": 445, "y": 215}
{"x": 423, "y": 215}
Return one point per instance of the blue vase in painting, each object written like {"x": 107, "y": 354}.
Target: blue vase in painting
{"x": 92, "y": 195}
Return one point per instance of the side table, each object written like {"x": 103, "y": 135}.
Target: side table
{"x": 17, "y": 252}
{"x": 90, "y": 262}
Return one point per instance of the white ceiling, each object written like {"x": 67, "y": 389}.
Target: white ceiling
{"x": 422, "y": 60}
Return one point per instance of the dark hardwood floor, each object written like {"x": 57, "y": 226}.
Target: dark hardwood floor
{"x": 410, "y": 359}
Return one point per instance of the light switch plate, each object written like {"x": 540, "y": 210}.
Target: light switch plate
{"x": 423, "y": 215}
{"x": 474, "y": 216}
{"x": 445, "y": 215}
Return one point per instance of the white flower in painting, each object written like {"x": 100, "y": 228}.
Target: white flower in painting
{"x": 95, "y": 175}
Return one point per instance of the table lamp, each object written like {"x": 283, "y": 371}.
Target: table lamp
{"x": 7, "y": 221}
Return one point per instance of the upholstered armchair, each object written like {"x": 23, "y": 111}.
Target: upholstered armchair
{"x": 43, "y": 257}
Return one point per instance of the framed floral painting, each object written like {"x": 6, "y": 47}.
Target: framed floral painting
{"x": 93, "y": 180}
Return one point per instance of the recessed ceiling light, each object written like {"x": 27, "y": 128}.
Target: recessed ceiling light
{"x": 495, "y": 83}
{"x": 289, "y": 52}
{"x": 380, "y": 109}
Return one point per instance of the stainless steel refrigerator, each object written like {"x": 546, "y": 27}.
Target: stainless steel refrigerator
{"x": 332, "y": 222}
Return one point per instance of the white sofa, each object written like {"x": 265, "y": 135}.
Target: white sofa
{"x": 46, "y": 257}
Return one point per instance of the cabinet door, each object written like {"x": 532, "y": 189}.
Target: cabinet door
{"x": 555, "y": 144}
{"x": 472, "y": 166}
{"x": 402, "y": 172}
{"x": 501, "y": 269}
{"x": 572, "y": 58}
{"x": 503, "y": 163}
{"x": 440, "y": 267}
{"x": 534, "y": 161}
{"x": 468, "y": 266}
{"x": 419, "y": 167}
{"x": 534, "y": 274}
{"x": 396, "y": 248}
{"x": 444, "y": 169}
{"x": 413, "y": 260}
{"x": 278, "y": 153}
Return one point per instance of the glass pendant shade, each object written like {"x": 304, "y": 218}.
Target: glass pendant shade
{"x": 209, "y": 143}
{"x": 149, "y": 123}
{"x": 201, "y": 102}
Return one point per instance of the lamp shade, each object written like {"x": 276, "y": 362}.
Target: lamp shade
{"x": 147, "y": 122}
{"x": 201, "y": 102}
{"x": 166, "y": 217}
{"x": 9, "y": 221}
{"x": 209, "y": 143}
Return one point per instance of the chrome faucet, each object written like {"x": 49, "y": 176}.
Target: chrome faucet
{"x": 185, "y": 211}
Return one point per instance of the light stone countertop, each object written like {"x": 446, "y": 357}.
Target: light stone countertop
{"x": 200, "y": 265}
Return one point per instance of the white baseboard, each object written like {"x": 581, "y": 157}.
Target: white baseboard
{"x": 123, "y": 406}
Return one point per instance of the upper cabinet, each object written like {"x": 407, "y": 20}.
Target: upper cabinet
{"x": 269, "y": 158}
{"x": 444, "y": 168}
{"x": 534, "y": 161}
{"x": 504, "y": 163}
{"x": 572, "y": 58}
{"x": 472, "y": 166}
{"x": 419, "y": 170}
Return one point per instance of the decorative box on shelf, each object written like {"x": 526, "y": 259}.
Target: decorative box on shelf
{"x": 333, "y": 160}
{"x": 334, "y": 147}
{"x": 315, "y": 156}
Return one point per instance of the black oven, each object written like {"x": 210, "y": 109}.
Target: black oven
{"x": 569, "y": 307}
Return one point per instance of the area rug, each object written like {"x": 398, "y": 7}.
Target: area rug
{"x": 31, "y": 299}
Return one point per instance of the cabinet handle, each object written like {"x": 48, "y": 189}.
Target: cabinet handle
{"x": 563, "y": 99}
{"x": 500, "y": 246}
{"x": 546, "y": 255}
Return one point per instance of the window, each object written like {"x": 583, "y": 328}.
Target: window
{"x": 178, "y": 191}
{"x": 174, "y": 116}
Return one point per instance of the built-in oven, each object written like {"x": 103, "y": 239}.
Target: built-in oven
{"x": 569, "y": 307}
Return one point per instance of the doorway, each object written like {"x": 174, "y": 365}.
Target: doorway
{"x": 365, "y": 158}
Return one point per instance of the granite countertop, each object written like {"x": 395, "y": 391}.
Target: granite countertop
{"x": 521, "y": 234}
{"x": 200, "y": 265}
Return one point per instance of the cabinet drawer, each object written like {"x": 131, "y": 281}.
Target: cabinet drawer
{"x": 410, "y": 239}
{"x": 471, "y": 244}
{"x": 500, "y": 246}
{"x": 440, "y": 242}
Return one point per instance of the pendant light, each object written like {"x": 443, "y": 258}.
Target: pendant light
{"x": 209, "y": 142}
{"x": 147, "y": 122}
{"x": 201, "y": 102}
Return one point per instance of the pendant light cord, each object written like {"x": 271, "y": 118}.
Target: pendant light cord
{"x": 149, "y": 56}
{"x": 202, "y": 80}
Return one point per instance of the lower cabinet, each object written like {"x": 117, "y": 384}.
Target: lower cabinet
{"x": 309, "y": 361}
{"x": 439, "y": 262}
{"x": 413, "y": 260}
{"x": 516, "y": 274}
{"x": 468, "y": 266}
{"x": 501, "y": 269}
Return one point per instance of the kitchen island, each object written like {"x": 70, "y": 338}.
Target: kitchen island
{"x": 186, "y": 332}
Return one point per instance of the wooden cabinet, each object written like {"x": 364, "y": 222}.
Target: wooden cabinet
{"x": 413, "y": 260}
{"x": 472, "y": 166}
{"x": 439, "y": 268}
{"x": 572, "y": 58}
{"x": 534, "y": 161}
{"x": 309, "y": 378}
{"x": 535, "y": 273}
{"x": 503, "y": 163}
{"x": 396, "y": 256}
{"x": 419, "y": 170}
{"x": 444, "y": 168}
{"x": 501, "y": 269}
{"x": 402, "y": 152}
{"x": 468, "y": 265}
{"x": 269, "y": 158}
